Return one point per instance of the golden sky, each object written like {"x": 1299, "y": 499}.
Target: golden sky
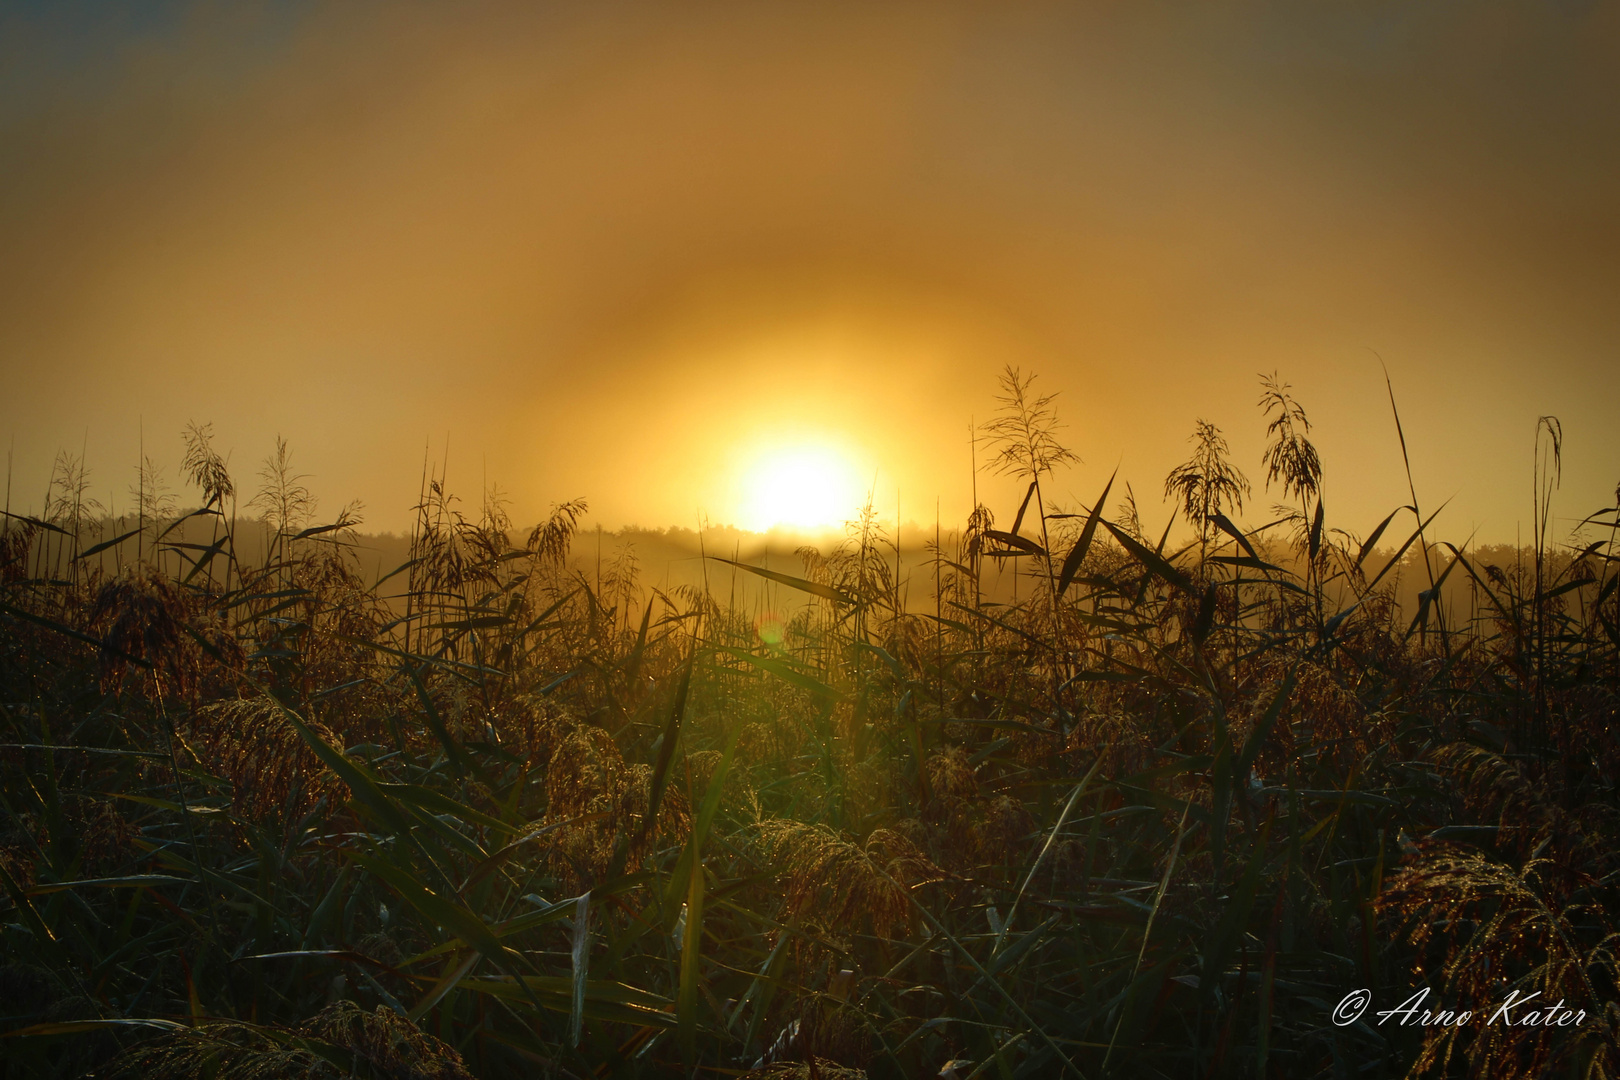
{"x": 631, "y": 252}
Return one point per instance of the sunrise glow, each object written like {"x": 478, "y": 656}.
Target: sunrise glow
{"x": 805, "y": 487}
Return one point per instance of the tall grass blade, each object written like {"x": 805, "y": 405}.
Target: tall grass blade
{"x": 1077, "y": 554}
{"x": 582, "y": 963}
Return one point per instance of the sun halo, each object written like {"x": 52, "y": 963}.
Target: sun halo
{"x": 806, "y": 486}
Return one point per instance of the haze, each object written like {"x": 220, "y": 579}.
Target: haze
{"x": 626, "y": 252}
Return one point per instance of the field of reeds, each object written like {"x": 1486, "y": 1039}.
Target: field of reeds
{"x": 1155, "y": 814}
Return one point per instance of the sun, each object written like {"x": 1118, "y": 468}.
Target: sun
{"x": 807, "y": 486}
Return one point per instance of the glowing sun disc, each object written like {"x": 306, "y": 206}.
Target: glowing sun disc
{"x": 807, "y": 487}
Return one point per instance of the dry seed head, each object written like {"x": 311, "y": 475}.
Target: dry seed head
{"x": 383, "y": 1043}
{"x": 271, "y": 768}
{"x": 801, "y": 1070}
{"x": 283, "y": 500}
{"x": 1207, "y": 483}
{"x": 141, "y": 617}
{"x": 1493, "y": 922}
{"x": 833, "y": 880}
{"x": 1290, "y": 458}
{"x": 1023, "y": 434}
{"x": 951, "y": 776}
{"x": 587, "y": 776}
{"x": 552, "y": 538}
{"x": 1000, "y": 835}
{"x": 204, "y": 467}
{"x": 1495, "y": 789}
{"x": 700, "y": 769}
{"x": 16, "y": 543}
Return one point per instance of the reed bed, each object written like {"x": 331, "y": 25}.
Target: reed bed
{"x": 488, "y": 815}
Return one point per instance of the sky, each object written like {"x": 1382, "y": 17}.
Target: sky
{"x": 746, "y": 262}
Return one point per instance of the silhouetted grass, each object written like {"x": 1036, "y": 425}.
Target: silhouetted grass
{"x": 492, "y": 816}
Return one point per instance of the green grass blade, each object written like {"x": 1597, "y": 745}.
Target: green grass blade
{"x": 582, "y": 963}
{"x": 438, "y": 910}
{"x": 1150, "y": 559}
{"x": 815, "y": 588}
{"x": 1077, "y": 554}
